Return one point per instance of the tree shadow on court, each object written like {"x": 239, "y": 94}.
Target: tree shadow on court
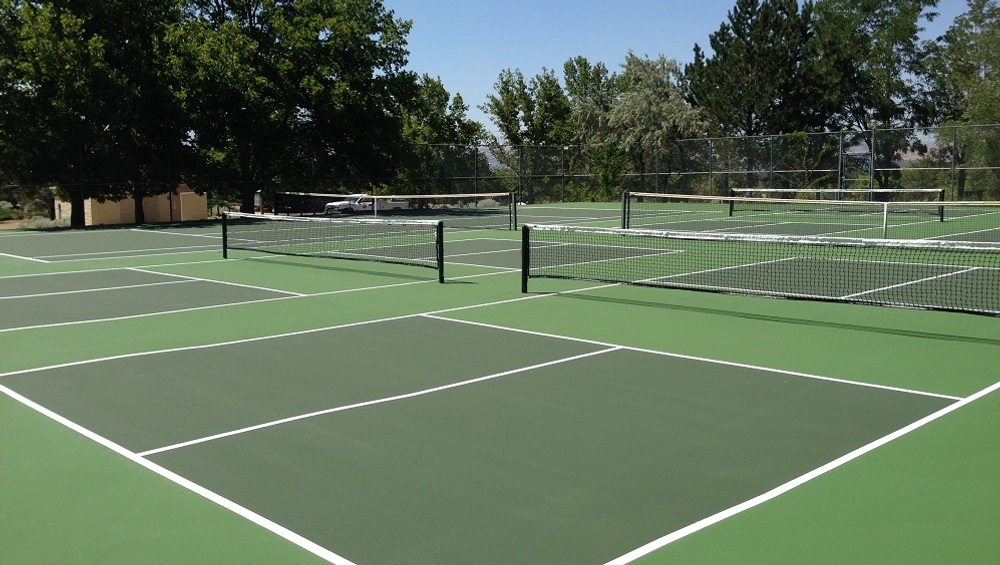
{"x": 785, "y": 319}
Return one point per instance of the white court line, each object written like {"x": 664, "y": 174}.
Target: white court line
{"x": 377, "y": 401}
{"x": 798, "y": 481}
{"x": 237, "y": 509}
{"x": 24, "y": 258}
{"x": 499, "y": 271}
{"x": 127, "y": 253}
{"x": 481, "y": 266}
{"x": 184, "y": 234}
{"x": 695, "y": 358}
{"x": 912, "y": 282}
{"x": 92, "y": 290}
{"x": 287, "y": 334}
{"x": 948, "y": 236}
{"x": 453, "y": 255}
{"x": 274, "y": 336}
{"x": 214, "y": 306}
{"x": 213, "y": 281}
{"x": 310, "y": 546}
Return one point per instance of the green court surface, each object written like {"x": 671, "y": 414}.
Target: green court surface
{"x": 162, "y": 404}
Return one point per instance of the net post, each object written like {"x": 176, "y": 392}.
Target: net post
{"x": 732, "y": 202}
{"x": 941, "y": 208}
{"x": 513, "y": 211}
{"x": 885, "y": 220}
{"x": 625, "y": 209}
{"x": 525, "y": 256}
{"x": 439, "y": 248}
{"x": 225, "y": 237}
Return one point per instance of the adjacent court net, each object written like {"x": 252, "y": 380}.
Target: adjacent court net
{"x": 963, "y": 221}
{"x": 960, "y": 276}
{"x": 408, "y": 242}
{"x": 866, "y": 194}
{"x": 494, "y": 210}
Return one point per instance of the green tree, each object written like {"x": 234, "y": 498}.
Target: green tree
{"x": 961, "y": 87}
{"x": 86, "y": 107}
{"x": 591, "y": 90}
{"x": 762, "y": 76}
{"x": 870, "y": 53}
{"x": 277, "y": 88}
{"x": 444, "y": 142}
{"x": 535, "y": 112}
{"x": 870, "y": 50}
{"x": 437, "y": 117}
{"x": 536, "y": 117}
{"x": 650, "y": 114}
{"x": 963, "y": 67}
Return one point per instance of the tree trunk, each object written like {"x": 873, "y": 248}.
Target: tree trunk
{"x": 77, "y": 219}
{"x": 140, "y": 214}
{"x": 247, "y": 193}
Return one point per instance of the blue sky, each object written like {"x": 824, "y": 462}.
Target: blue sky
{"x": 466, "y": 43}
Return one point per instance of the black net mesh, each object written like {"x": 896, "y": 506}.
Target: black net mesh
{"x": 962, "y": 276}
{"x": 410, "y": 242}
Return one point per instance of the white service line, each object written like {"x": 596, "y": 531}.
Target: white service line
{"x": 24, "y": 258}
{"x": 214, "y": 281}
{"x": 79, "y": 257}
{"x": 232, "y": 304}
{"x": 175, "y": 234}
{"x": 695, "y": 358}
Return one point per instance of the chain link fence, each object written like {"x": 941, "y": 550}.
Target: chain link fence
{"x": 963, "y": 160}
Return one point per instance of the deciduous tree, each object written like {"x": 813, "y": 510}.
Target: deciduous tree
{"x": 85, "y": 104}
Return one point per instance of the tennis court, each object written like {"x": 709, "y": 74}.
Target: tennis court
{"x": 165, "y": 404}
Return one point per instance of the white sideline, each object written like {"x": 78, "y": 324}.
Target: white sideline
{"x": 250, "y": 515}
{"x": 796, "y": 482}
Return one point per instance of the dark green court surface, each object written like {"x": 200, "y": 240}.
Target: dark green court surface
{"x": 162, "y": 404}
{"x": 588, "y": 457}
{"x": 74, "y": 297}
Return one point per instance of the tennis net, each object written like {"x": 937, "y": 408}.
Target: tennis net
{"x": 867, "y": 194}
{"x": 494, "y": 210}
{"x": 943, "y": 275}
{"x": 965, "y": 221}
{"x": 408, "y": 242}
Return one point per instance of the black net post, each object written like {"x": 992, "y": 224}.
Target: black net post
{"x": 225, "y": 238}
{"x": 513, "y": 212}
{"x": 525, "y": 256}
{"x": 439, "y": 246}
{"x": 625, "y": 210}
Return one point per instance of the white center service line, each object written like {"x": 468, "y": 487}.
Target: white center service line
{"x": 373, "y": 402}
